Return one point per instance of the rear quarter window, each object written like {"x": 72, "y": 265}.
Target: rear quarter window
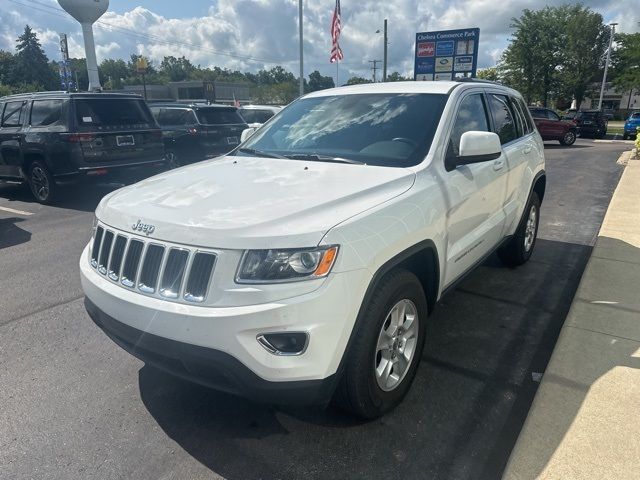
{"x": 112, "y": 114}
{"x": 46, "y": 113}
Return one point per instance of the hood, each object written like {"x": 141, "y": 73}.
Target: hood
{"x": 248, "y": 202}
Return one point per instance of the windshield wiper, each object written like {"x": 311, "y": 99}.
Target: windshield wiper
{"x": 314, "y": 157}
{"x": 253, "y": 151}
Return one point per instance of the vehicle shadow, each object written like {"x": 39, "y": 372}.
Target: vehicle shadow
{"x": 460, "y": 419}
{"x": 11, "y": 234}
{"x": 81, "y": 197}
{"x": 557, "y": 146}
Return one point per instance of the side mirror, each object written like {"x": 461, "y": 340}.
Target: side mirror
{"x": 246, "y": 133}
{"x": 476, "y": 147}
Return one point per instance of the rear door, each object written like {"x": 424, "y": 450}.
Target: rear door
{"x": 542, "y": 122}
{"x": 12, "y": 118}
{"x": 221, "y": 127}
{"x": 476, "y": 194}
{"x": 555, "y": 126}
{"x": 117, "y": 131}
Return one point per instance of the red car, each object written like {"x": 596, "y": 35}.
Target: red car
{"x": 552, "y": 128}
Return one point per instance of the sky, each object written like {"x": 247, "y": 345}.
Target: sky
{"x": 248, "y": 35}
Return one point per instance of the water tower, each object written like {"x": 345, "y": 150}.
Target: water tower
{"x": 87, "y": 12}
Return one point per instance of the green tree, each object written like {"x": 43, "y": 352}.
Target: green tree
{"x": 491, "y": 73}
{"x": 31, "y": 65}
{"x": 357, "y": 81}
{"x": 113, "y": 73}
{"x": 625, "y": 64}
{"x": 176, "y": 69}
{"x": 584, "y": 42}
{"x": 79, "y": 72}
{"x": 396, "y": 77}
{"x": 319, "y": 82}
{"x": 6, "y": 67}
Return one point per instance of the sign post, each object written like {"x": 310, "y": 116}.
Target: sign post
{"x": 446, "y": 54}
{"x": 141, "y": 66}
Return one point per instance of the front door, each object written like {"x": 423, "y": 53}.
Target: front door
{"x": 476, "y": 195}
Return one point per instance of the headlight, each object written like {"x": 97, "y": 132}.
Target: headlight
{"x": 286, "y": 265}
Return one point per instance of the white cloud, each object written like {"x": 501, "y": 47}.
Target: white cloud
{"x": 253, "y": 34}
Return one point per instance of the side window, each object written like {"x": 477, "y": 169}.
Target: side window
{"x": 503, "y": 120}
{"x": 552, "y": 115}
{"x": 12, "y": 116}
{"x": 472, "y": 116}
{"x": 45, "y": 112}
{"x": 531, "y": 127}
{"x": 538, "y": 113}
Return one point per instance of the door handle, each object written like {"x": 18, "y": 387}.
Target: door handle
{"x": 527, "y": 149}
{"x": 498, "y": 165}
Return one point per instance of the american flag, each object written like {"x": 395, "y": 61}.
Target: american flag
{"x": 336, "y": 28}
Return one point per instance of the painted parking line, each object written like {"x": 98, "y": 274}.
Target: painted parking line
{"x": 13, "y": 210}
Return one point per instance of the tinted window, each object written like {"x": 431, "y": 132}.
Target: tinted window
{"x": 112, "y": 113}
{"x": 45, "y": 112}
{"x": 176, "y": 116}
{"x": 635, "y": 115}
{"x": 503, "y": 121}
{"x": 12, "y": 116}
{"x": 380, "y": 129}
{"x": 536, "y": 113}
{"x": 218, "y": 116}
{"x": 472, "y": 116}
{"x": 256, "y": 116}
{"x": 590, "y": 116}
{"x": 551, "y": 115}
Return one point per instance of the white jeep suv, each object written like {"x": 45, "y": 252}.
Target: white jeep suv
{"x": 302, "y": 266}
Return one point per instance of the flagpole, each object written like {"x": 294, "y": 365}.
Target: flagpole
{"x": 337, "y": 67}
{"x": 301, "y": 49}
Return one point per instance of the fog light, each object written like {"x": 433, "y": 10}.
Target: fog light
{"x": 286, "y": 343}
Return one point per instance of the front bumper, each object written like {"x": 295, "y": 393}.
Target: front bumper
{"x": 209, "y": 367}
{"x": 225, "y": 338}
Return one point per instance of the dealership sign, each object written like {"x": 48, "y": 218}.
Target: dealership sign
{"x": 446, "y": 54}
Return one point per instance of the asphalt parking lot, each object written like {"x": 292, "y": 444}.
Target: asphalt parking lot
{"x": 73, "y": 405}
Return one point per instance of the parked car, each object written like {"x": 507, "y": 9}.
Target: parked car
{"x": 256, "y": 115}
{"x": 195, "y": 131}
{"x": 304, "y": 265}
{"x": 570, "y": 115}
{"x": 551, "y": 127}
{"x": 592, "y": 123}
{"x": 631, "y": 125}
{"x": 50, "y": 138}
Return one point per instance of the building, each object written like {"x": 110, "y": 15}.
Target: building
{"x": 618, "y": 103}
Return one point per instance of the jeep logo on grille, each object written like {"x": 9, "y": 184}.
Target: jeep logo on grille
{"x": 145, "y": 228}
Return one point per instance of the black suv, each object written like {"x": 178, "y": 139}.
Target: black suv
{"x": 50, "y": 138}
{"x": 193, "y": 132}
{"x": 592, "y": 123}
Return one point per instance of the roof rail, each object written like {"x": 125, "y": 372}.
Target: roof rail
{"x": 475, "y": 80}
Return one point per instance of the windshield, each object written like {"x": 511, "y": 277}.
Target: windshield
{"x": 634, "y": 116}
{"x": 218, "y": 116}
{"x": 392, "y": 130}
{"x": 589, "y": 115}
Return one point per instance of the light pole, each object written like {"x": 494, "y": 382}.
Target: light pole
{"x": 606, "y": 64}
{"x": 301, "y": 49}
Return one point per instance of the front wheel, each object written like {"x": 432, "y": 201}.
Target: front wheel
{"x": 625, "y": 136}
{"x": 569, "y": 138}
{"x": 172, "y": 159}
{"x": 42, "y": 184}
{"x": 386, "y": 351}
{"x": 519, "y": 249}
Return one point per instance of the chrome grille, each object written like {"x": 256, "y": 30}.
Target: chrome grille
{"x": 152, "y": 268}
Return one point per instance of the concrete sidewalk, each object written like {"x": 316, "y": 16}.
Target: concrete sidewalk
{"x": 585, "y": 419}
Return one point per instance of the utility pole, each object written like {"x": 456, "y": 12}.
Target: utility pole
{"x": 301, "y": 49}
{"x": 606, "y": 64}
{"x": 375, "y": 68}
{"x": 384, "y": 64}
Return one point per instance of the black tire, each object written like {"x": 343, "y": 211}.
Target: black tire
{"x": 359, "y": 391}
{"x": 43, "y": 186}
{"x": 569, "y": 138}
{"x": 173, "y": 161}
{"x": 625, "y": 136}
{"x": 519, "y": 249}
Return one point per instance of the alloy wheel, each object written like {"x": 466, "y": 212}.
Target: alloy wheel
{"x": 40, "y": 183}
{"x": 530, "y": 230}
{"x": 396, "y": 345}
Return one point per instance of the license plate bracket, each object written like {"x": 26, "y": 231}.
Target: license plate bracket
{"x": 125, "y": 140}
